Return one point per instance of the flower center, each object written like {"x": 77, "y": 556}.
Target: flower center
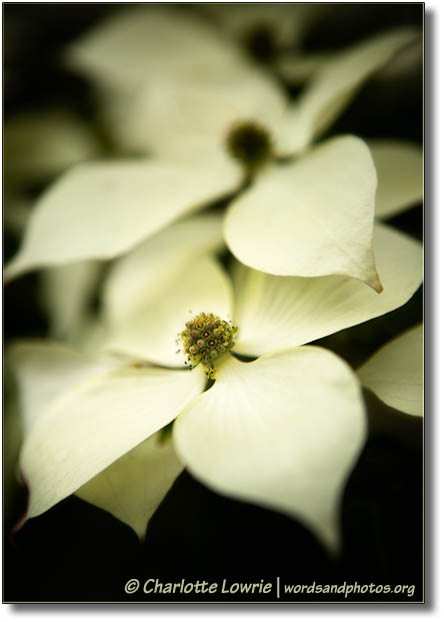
{"x": 250, "y": 143}
{"x": 260, "y": 41}
{"x": 205, "y": 339}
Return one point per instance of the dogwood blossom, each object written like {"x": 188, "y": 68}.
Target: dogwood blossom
{"x": 309, "y": 217}
{"x": 283, "y": 430}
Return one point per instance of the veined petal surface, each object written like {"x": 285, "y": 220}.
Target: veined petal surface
{"x": 283, "y": 431}
{"x": 132, "y": 487}
{"x": 91, "y": 426}
{"x": 99, "y": 210}
{"x": 399, "y": 166}
{"x": 275, "y": 312}
{"x": 311, "y": 218}
{"x": 395, "y": 372}
{"x": 152, "y": 328}
{"x": 146, "y": 268}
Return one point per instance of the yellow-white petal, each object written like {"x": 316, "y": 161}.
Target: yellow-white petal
{"x": 88, "y": 428}
{"x": 296, "y": 68}
{"x": 283, "y": 431}
{"x": 337, "y": 81}
{"x": 399, "y": 166}
{"x": 99, "y": 210}
{"x": 189, "y": 118}
{"x": 152, "y": 328}
{"x": 40, "y": 145}
{"x": 149, "y": 265}
{"x": 45, "y": 370}
{"x": 132, "y": 487}
{"x": 395, "y": 372}
{"x": 275, "y": 312}
{"x": 134, "y": 44}
{"x": 66, "y": 291}
{"x": 310, "y": 218}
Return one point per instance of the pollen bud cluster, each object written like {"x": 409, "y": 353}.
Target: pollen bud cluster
{"x": 205, "y": 338}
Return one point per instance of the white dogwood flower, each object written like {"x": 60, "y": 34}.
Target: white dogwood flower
{"x": 283, "y": 430}
{"x": 312, "y": 216}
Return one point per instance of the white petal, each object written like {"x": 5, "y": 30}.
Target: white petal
{"x": 337, "y": 81}
{"x": 132, "y": 487}
{"x": 189, "y": 118}
{"x": 152, "y": 328}
{"x": 100, "y": 210}
{"x": 40, "y": 145}
{"x": 283, "y": 431}
{"x": 310, "y": 218}
{"x": 137, "y": 43}
{"x": 395, "y": 372}
{"x": 88, "y": 428}
{"x": 296, "y": 68}
{"x": 275, "y": 312}
{"x": 399, "y": 166}
{"x": 149, "y": 265}
{"x": 66, "y": 292}
{"x": 45, "y": 370}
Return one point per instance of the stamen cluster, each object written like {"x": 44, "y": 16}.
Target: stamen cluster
{"x": 205, "y": 338}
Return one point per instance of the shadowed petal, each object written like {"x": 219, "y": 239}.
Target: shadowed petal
{"x": 132, "y": 487}
{"x": 338, "y": 80}
{"x": 395, "y": 372}
{"x": 399, "y": 166}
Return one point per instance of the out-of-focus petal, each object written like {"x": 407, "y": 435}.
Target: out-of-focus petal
{"x": 191, "y": 118}
{"x": 283, "y": 431}
{"x": 285, "y": 23}
{"x": 40, "y": 145}
{"x": 146, "y": 268}
{"x": 99, "y": 210}
{"x": 399, "y": 166}
{"x": 91, "y": 426}
{"x": 132, "y": 487}
{"x": 275, "y": 312}
{"x": 311, "y": 218}
{"x": 337, "y": 81}
{"x": 159, "y": 316}
{"x": 395, "y": 372}
{"x": 66, "y": 292}
{"x": 140, "y": 42}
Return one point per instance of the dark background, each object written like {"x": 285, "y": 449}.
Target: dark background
{"x": 78, "y": 553}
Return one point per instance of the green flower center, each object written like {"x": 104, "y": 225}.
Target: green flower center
{"x": 250, "y": 144}
{"x": 205, "y": 339}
